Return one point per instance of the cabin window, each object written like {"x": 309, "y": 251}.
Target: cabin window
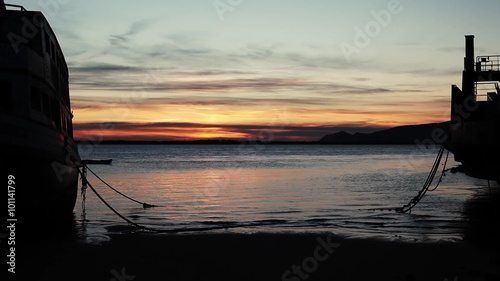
{"x": 47, "y": 43}
{"x": 35, "y": 43}
{"x": 46, "y": 105}
{"x": 5, "y": 96}
{"x": 33, "y": 33}
{"x": 56, "y": 112}
{"x": 3, "y": 37}
{"x": 35, "y": 99}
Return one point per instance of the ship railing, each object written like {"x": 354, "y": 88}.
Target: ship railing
{"x": 487, "y": 90}
{"x": 19, "y": 7}
{"x": 488, "y": 63}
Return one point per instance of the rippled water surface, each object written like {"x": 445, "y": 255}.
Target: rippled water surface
{"x": 276, "y": 188}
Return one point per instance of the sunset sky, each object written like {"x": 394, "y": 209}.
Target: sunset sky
{"x": 278, "y": 70}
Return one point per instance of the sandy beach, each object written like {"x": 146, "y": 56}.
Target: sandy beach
{"x": 57, "y": 251}
{"x": 142, "y": 256}
{"x": 54, "y": 250}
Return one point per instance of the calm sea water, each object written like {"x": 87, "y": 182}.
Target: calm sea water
{"x": 285, "y": 188}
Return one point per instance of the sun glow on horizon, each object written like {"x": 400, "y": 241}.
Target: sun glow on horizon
{"x": 175, "y": 70}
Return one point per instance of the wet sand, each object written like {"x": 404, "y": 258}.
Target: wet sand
{"x": 54, "y": 251}
{"x": 141, "y": 256}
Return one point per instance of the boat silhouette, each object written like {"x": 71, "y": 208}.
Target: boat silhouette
{"x": 475, "y": 115}
{"x": 36, "y": 143}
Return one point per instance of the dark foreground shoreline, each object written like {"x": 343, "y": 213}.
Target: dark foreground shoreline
{"x": 142, "y": 256}
{"x": 52, "y": 250}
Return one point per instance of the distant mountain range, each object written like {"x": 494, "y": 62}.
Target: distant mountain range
{"x": 397, "y": 135}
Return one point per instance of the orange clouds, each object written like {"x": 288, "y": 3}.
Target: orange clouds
{"x": 240, "y": 105}
{"x": 165, "y": 122}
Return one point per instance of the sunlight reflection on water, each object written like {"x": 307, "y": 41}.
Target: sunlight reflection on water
{"x": 302, "y": 188}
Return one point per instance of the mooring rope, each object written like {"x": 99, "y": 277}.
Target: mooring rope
{"x": 443, "y": 173}
{"x": 430, "y": 178}
{"x": 404, "y": 209}
{"x": 428, "y": 182}
{"x": 84, "y": 193}
{"x": 144, "y": 205}
{"x": 174, "y": 230}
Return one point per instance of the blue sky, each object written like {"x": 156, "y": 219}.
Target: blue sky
{"x": 229, "y": 64}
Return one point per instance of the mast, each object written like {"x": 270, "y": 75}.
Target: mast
{"x": 2, "y": 5}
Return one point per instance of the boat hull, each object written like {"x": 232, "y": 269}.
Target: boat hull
{"x": 44, "y": 164}
{"x": 475, "y": 145}
{"x": 478, "y": 162}
{"x": 37, "y": 149}
{"x": 43, "y": 186}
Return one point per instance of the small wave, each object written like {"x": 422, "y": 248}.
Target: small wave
{"x": 281, "y": 212}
